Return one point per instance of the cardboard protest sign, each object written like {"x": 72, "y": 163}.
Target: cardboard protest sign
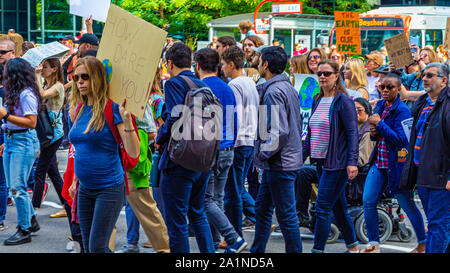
{"x": 131, "y": 49}
{"x": 85, "y": 8}
{"x": 348, "y": 35}
{"x": 307, "y": 86}
{"x": 447, "y": 36}
{"x": 36, "y": 55}
{"x": 399, "y": 50}
{"x": 16, "y": 38}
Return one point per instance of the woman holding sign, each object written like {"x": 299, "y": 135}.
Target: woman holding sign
{"x": 332, "y": 144}
{"x": 98, "y": 165}
{"x": 53, "y": 93}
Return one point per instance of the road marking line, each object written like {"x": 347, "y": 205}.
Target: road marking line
{"x": 52, "y": 204}
{"x": 399, "y": 248}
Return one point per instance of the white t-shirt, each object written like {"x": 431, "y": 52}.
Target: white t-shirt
{"x": 247, "y": 102}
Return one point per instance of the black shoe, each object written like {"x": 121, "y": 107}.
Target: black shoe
{"x": 304, "y": 220}
{"x": 34, "y": 225}
{"x": 20, "y": 237}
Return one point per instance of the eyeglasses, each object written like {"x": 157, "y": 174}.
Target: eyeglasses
{"x": 325, "y": 73}
{"x": 85, "y": 77}
{"x": 315, "y": 57}
{"x": 428, "y": 75}
{"x": 388, "y": 87}
{"x": 423, "y": 55}
{"x": 335, "y": 57}
{"x": 3, "y": 52}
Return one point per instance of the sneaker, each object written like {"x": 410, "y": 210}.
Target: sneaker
{"x": 20, "y": 237}
{"x": 30, "y": 192}
{"x": 76, "y": 247}
{"x": 237, "y": 247}
{"x": 371, "y": 249}
{"x": 247, "y": 224}
{"x": 273, "y": 227}
{"x": 34, "y": 225}
{"x": 70, "y": 246}
{"x": 3, "y": 227}
{"x": 10, "y": 202}
{"x": 277, "y": 229}
{"x": 46, "y": 188}
{"x": 128, "y": 248}
{"x": 61, "y": 213}
{"x": 147, "y": 244}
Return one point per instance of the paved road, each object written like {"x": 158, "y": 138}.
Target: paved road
{"x": 53, "y": 236}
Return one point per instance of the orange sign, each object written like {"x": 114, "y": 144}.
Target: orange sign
{"x": 348, "y": 36}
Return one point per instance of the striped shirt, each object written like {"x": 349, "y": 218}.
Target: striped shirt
{"x": 319, "y": 124}
{"x": 420, "y": 127}
{"x": 382, "y": 156}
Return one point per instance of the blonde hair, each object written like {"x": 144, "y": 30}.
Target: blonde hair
{"x": 300, "y": 64}
{"x": 156, "y": 87}
{"x": 100, "y": 92}
{"x": 359, "y": 78}
{"x": 431, "y": 54}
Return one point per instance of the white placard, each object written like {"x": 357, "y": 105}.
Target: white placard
{"x": 85, "y": 8}
{"x": 407, "y": 125}
{"x": 36, "y": 55}
{"x": 353, "y": 94}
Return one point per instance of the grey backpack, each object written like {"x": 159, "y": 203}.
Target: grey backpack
{"x": 195, "y": 136}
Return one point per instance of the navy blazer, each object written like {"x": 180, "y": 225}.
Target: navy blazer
{"x": 343, "y": 146}
{"x": 396, "y": 141}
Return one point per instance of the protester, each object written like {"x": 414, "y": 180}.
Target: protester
{"x": 237, "y": 199}
{"x": 355, "y": 78}
{"x": 141, "y": 207}
{"x": 7, "y": 51}
{"x": 425, "y": 166}
{"x": 278, "y": 152}
{"x": 300, "y": 48}
{"x": 53, "y": 94}
{"x": 224, "y": 42}
{"x": 26, "y": 46}
{"x": 373, "y": 62}
{"x": 387, "y": 162}
{"x": 424, "y": 57}
{"x": 87, "y": 42}
{"x": 298, "y": 64}
{"x": 3, "y": 186}
{"x": 101, "y": 189}
{"x": 339, "y": 58}
{"x": 332, "y": 143}
{"x": 442, "y": 54}
{"x": 245, "y": 27}
{"x": 183, "y": 190}
{"x": 314, "y": 57}
{"x": 207, "y": 63}
{"x": 21, "y": 147}
{"x": 248, "y": 43}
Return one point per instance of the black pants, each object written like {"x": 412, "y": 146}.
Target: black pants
{"x": 47, "y": 165}
{"x": 306, "y": 176}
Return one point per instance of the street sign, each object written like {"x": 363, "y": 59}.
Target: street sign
{"x": 262, "y": 25}
{"x": 287, "y": 8}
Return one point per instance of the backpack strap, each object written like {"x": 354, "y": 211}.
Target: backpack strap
{"x": 190, "y": 83}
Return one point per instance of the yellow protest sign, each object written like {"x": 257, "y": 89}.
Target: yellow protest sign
{"x": 399, "y": 50}
{"x": 16, "y": 38}
{"x": 131, "y": 50}
{"x": 447, "y": 36}
{"x": 348, "y": 36}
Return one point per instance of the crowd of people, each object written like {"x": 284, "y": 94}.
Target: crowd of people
{"x": 255, "y": 172}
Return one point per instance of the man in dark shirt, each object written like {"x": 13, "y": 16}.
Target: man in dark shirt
{"x": 183, "y": 190}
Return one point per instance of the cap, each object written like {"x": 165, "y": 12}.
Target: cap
{"x": 259, "y": 49}
{"x": 384, "y": 69}
{"x": 377, "y": 58}
{"x": 68, "y": 37}
{"x": 88, "y": 38}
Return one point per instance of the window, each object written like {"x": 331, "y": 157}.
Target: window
{"x": 415, "y": 37}
{"x": 433, "y": 37}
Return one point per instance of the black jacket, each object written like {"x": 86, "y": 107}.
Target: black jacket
{"x": 433, "y": 170}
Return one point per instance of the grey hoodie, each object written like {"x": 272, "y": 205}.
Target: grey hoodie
{"x": 279, "y": 147}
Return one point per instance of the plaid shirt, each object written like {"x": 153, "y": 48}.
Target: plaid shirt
{"x": 382, "y": 158}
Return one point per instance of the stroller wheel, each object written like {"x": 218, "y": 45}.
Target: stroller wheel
{"x": 385, "y": 227}
{"x": 405, "y": 237}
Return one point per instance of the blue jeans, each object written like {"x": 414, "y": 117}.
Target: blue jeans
{"x": 19, "y": 154}
{"x": 277, "y": 190}
{"x": 374, "y": 187}
{"x": 98, "y": 211}
{"x": 436, "y": 204}
{"x": 132, "y": 225}
{"x": 184, "y": 196}
{"x": 217, "y": 219}
{"x": 331, "y": 199}
{"x": 236, "y": 197}
{"x": 3, "y": 187}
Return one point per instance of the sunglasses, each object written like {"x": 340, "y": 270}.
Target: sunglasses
{"x": 428, "y": 75}
{"x": 315, "y": 57}
{"x": 85, "y": 77}
{"x": 336, "y": 57}
{"x": 388, "y": 87}
{"x": 326, "y": 73}
{"x": 3, "y": 52}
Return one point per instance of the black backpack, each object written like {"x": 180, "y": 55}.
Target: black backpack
{"x": 188, "y": 145}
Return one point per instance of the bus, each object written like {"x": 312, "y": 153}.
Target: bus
{"x": 376, "y": 28}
